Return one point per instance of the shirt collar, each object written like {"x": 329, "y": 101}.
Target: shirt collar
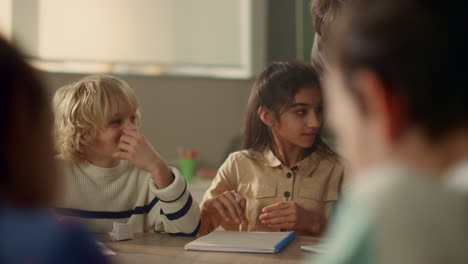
{"x": 309, "y": 164}
{"x": 270, "y": 159}
{"x": 305, "y": 167}
{"x": 103, "y": 173}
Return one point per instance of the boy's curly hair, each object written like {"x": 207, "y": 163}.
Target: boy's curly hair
{"x": 83, "y": 108}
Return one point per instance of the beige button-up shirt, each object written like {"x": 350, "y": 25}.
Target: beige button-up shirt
{"x": 261, "y": 178}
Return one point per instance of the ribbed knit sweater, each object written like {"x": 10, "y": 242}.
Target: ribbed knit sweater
{"x": 100, "y": 196}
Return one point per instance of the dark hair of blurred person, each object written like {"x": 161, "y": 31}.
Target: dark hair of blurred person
{"x": 29, "y": 175}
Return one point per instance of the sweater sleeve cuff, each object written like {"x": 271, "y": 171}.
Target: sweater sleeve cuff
{"x": 172, "y": 192}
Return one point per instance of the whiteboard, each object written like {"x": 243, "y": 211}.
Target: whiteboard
{"x": 216, "y": 38}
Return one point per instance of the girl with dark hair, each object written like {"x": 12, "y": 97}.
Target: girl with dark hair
{"x": 286, "y": 177}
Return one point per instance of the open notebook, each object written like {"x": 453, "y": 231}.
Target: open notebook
{"x": 253, "y": 242}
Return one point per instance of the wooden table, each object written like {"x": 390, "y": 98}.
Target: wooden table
{"x": 162, "y": 248}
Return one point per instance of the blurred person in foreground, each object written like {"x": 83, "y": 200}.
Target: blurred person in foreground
{"x": 398, "y": 106}
{"x": 28, "y": 176}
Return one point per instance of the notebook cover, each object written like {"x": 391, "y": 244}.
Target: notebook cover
{"x": 285, "y": 241}
{"x": 252, "y": 242}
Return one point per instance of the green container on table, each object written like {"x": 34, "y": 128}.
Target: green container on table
{"x": 187, "y": 168}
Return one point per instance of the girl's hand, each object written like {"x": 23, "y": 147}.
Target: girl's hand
{"x": 134, "y": 147}
{"x": 209, "y": 221}
{"x": 222, "y": 207}
{"x": 291, "y": 216}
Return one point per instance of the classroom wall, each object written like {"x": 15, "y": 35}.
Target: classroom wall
{"x": 201, "y": 113}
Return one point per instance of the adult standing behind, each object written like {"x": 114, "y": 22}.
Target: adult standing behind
{"x": 324, "y": 13}
{"x": 28, "y": 176}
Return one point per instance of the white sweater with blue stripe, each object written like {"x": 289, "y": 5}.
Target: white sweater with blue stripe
{"x": 100, "y": 196}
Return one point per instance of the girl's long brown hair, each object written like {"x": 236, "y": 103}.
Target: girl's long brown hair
{"x": 275, "y": 88}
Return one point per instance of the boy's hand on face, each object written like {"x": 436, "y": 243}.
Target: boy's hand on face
{"x": 291, "y": 216}
{"x": 135, "y": 147}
